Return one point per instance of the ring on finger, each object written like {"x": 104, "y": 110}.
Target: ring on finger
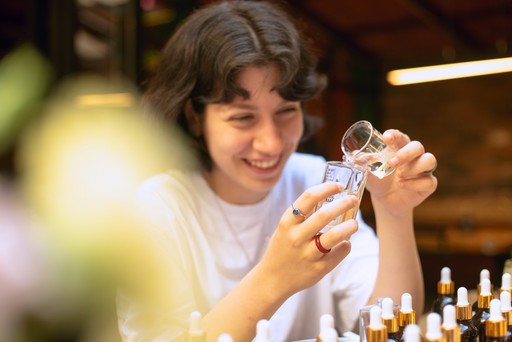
{"x": 297, "y": 212}
{"x": 319, "y": 246}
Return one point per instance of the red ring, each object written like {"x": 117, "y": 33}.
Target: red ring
{"x": 319, "y": 244}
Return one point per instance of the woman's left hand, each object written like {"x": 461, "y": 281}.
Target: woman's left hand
{"x": 413, "y": 180}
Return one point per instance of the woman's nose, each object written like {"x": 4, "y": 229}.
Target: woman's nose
{"x": 268, "y": 138}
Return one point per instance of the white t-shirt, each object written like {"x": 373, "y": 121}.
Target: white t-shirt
{"x": 208, "y": 256}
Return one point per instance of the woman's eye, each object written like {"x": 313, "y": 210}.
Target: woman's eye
{"x": 287, "y": 111}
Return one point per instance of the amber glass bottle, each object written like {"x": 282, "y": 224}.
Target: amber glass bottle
{"x": 406, "y": 314}
{"x": 376, "y": 331}
{"x": 445, "y": 291}
{"x": 463, "y": 313}
{"x": 495, "y": 326}
{"x": 389, "y": 319}
{"x": 483, "y": 308}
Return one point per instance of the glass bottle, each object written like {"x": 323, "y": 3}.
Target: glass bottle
{"x": 506, "y": 310}
{"x": 450, "y": 327}
{"x": 412, "y": 333}
{"x": 484, "y": 274}
{"x": 433, "y": 333}
{"x": 483, "y": 308}
{"x": 445, "y": 291}
{"x": 495, "y": 326}
{"x": 406, "y": 314}
{"x": 376, "y": 331}
{"x": 389, "y": 319}
{"x": 463, "y": 312}
{"x": 505, "y": 283}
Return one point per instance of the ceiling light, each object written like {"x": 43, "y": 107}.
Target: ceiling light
{"x": 449, "y": 71}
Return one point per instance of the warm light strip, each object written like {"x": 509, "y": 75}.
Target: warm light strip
{"x": 449, "y": 71}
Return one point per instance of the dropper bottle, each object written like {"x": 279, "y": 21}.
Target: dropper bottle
{"x": 445, "y": 291}
{"x": 483, "y": 308}
{"x": 505, "y": 283}
{"x": 450, "y": 328}
{"x": 329, "y": 335}
{"x": 506, "y": 311}
{"x": 484, "y": 274}
{"x": 495, "y": 326}
{"x": 406, "y": 314}
{"x": 262, "y": 331}
{"x": 468, "y": 331}
{"x": 433, "y": 333}
{"x": 326, "y": 323}
{"x": 412, "y": 333}
{"x": 195, "y": 333}
{"x": 389, "y": 319}
{"x": 376, "y": 331}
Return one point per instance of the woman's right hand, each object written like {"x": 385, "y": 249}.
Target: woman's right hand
{"x": 292, "y": 261}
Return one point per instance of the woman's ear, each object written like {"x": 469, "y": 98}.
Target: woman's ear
{"x": 193, "y": 119}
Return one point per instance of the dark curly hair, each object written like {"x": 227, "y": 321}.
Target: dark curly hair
{"x": 201, "y": 60}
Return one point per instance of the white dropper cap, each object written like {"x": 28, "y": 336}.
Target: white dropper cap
{"x": 225, "y": 338}
{"x": 495, "y": 311}
{"x": 326, "y": 322}
{"x": 505, "y": 301}
{"x": 194, "y": 324}
{"x": 329, "y": 335}
{"x": 434, "y": 326}
{"x": 375, "y": 317}
{"x": 484, "y": 274}
{"x": 387, "y": 308}
{"x": 449, "y": 319}
{"x": 412, "y": 333}
{"x": 485, "y": 287}
{"x": 505, "y": 281}
{"x": 406, "y": 304}
{"x": 462, "y": 296}
{"x": 446, "y": 275}
{"x": 262, "y": 331}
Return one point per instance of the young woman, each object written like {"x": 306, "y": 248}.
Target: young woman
{"x": 239, "y": 233}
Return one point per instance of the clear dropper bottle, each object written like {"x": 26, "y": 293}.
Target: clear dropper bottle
{"x": 376, "y": 331}
{"x": 450, "y": 327}
{"x": 406, "y": 314}
{"x": 482, "y": 312}
{"x": 445, "y": 291}
{"x": 506, "y": 311}
{"x": 463, "y": 314}
{"x": 433, "y": 333}
{"x": 389, "y": 319}
{"x": 495, "y": 326}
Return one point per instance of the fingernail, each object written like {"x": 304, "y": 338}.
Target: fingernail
{"x": 393, "y": 162}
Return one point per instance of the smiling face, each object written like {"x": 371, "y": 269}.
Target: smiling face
{"x": 250, "y": 140}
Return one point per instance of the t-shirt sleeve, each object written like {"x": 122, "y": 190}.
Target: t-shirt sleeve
{"x": 159, "y": 309}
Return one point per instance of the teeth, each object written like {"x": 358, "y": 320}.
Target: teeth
{"x": 264, "y": 164}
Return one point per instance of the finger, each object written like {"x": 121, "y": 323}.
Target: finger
{"x": 419, "y": 167}
{"x": 327, "y": 213}
{"x": 336, "y": 255}
{"x": 338, "y": 233}
{"x": 407, "y": 153}
{"x": 395, "y": 139}
{"x": 308, "y": 200}
{"x": 424, "y": 185}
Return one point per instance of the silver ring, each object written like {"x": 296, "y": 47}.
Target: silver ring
{"x": 297, "y": 212}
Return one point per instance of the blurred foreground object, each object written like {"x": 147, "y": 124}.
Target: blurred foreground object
{"x": 24, "y": 78}
{"x": 80, "y": 165}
